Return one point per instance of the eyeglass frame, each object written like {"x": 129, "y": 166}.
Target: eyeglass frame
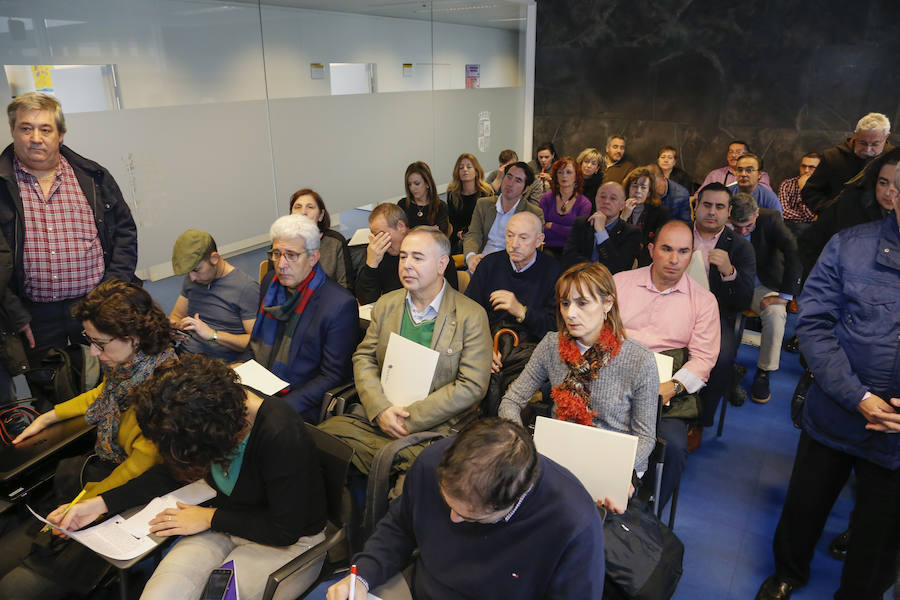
{"x": 101, "y": 346}
{"x": 270, "y": 253}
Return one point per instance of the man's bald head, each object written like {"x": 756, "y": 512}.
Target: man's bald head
{"x": 671, "y": 251}
{"x": 524, "y": 235}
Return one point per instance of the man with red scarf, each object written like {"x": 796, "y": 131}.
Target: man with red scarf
{"x": 307, "y": 325}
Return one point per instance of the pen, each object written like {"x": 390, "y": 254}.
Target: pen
{"x": 46, "y": 528}
{"x": 352, "y": 582}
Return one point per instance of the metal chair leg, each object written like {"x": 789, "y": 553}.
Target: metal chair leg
{"x": 123, "y": 584}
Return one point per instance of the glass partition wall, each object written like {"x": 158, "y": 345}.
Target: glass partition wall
{"x": 210, "y": 113}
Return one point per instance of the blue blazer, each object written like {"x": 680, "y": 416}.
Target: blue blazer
{"x": 321, "y": 348}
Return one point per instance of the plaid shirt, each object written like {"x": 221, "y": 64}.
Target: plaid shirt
{"x": 62, "y": 254}
{"x": 791, "y": 203}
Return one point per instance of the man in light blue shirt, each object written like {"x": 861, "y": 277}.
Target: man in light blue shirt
{"x": 748, "y": 169}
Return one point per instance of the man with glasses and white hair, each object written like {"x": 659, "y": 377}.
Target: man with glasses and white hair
{"x": 307, "y": 324}
{"x": 841, "y": 163}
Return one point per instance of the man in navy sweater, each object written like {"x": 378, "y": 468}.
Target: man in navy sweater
{"x": 491, "y": 519}
{"x": 516, "y": 289}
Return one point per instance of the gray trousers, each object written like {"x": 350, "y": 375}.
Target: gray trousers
{"x": 184, "y": 570}
{"x": 773, "y": 319}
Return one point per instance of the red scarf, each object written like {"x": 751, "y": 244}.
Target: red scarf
{"x": 573, "y": 395}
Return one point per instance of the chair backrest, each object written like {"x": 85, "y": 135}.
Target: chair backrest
{"x": 263, "y": 269}
{"x": 463, "y": 278}
{"x": 334, "y": 456}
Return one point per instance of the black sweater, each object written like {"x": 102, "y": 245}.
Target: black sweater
{"x": 279, "y": 495}
{"x": 551, "y": 546}
{"x": 533, "y": 287}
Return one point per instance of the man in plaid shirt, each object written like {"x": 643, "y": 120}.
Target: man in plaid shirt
{"x": 798, "y": 216}
{"x": 64, "y": 218}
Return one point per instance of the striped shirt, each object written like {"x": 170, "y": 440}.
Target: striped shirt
{"x": 62, "y": 254}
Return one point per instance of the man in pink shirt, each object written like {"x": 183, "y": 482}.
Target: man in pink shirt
{"x": 664, "y": 309}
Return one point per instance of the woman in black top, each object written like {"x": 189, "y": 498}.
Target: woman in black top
{"x": 334, "y": 257}
{"x": 466, "y": 186}
{"x": 422, "y": 205}
{"x": 643, "y": 208}
{"x": 252, "y": 449}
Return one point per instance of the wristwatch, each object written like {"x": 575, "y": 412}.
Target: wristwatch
{"x": 678, "y": 386}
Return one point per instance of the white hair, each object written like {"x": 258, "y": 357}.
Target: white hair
{"x": 874, "y": 122}
{"x": 293, "y": 227}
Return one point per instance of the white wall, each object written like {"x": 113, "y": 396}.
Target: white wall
{"x": 200, "y": 142}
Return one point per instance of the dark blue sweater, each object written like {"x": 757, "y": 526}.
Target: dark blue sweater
{"x": 534, "y": 287}
{"x": 551, "y": 547}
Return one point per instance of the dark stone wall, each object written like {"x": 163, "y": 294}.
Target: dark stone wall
{"x": 788, "y": 76}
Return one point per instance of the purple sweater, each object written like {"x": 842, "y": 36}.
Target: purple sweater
{"x": 556, "y": 236}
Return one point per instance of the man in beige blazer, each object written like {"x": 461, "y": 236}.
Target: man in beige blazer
{"x": 460, "y": 334}
{"x": 487, "y": 230}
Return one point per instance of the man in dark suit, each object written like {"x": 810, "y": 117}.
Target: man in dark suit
{"x": 778, "y": 272}
{"x": 307, "y": 324}
{"x": 603, "y": 237}
{"x": 731, "y": 268}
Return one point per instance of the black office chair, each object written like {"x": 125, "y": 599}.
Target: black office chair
{"x": 335, "y": 457}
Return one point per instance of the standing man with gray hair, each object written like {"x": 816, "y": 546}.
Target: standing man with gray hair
{"x": 64, "y": 218}
{"x": 778, "y": 272}
{"x": 841, "y": 163}
{"x": 307, "y": 324}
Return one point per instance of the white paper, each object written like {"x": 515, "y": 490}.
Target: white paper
{"x": 109, "y": 538}
{"x": 601, "y": 460}
{"x": 407, "y": 371}
{"x": 198, "y": 492}
{"x": 260, "y": 378}
{"x": 365, "y": 311}
{"x": 664, "y": 364}
{"x": 697, "y": 269}
{"x": 360, "y": 237}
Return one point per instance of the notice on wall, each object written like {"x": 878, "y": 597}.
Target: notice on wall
{"x": 407, "y": 69}
{"x": 473, "y": 76}
{"x": 484, "y": 130}
{"x": 316, "y": 71}
{"x": 43, "y": 82}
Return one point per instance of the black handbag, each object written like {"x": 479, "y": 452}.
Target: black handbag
{"x": 684, "y": 405}
{"x": 643, "y": 556}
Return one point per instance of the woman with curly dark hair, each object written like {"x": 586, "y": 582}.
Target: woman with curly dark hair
{"x": 643, "y": 208}
{"x": 131, "y": 336}
{"x": 254, "y": 450}
{"x": 422, "y": 204}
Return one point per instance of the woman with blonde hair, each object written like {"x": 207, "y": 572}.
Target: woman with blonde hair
{"x": 466, "y": 186}
{"x": 589, "y": 161}
{"x": 599, "y": 377}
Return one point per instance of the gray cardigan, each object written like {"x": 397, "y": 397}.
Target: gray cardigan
{"x": 624, "y": 395}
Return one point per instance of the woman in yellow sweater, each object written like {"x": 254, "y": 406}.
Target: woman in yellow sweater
{"x": 130, "y": 335}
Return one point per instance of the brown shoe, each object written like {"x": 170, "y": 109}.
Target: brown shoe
{"x": 695, "y": 437}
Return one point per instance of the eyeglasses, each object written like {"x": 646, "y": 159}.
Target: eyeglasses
{"x": 100, "y": 344}
{"x": 289, "y": 255}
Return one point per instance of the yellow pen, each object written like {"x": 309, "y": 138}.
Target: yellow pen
{"x": 46, "y": 528}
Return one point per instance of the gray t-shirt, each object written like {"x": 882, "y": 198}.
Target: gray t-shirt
{"x": 222, "y": 305}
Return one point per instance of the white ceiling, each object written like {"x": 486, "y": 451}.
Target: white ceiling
{"x": 501, "y": 14}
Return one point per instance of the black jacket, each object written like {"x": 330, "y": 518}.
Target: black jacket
{"x": 778, "y": 263}
{"x": 854, "y": 206}
{"x": 115, "y": 226}
{"x": 372, "y": 284}
{"x": 617, "y": 253}
{"x": 734, "y": 296}
{"x": 838, "y": 166}
{"x": 653, "y": 218}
